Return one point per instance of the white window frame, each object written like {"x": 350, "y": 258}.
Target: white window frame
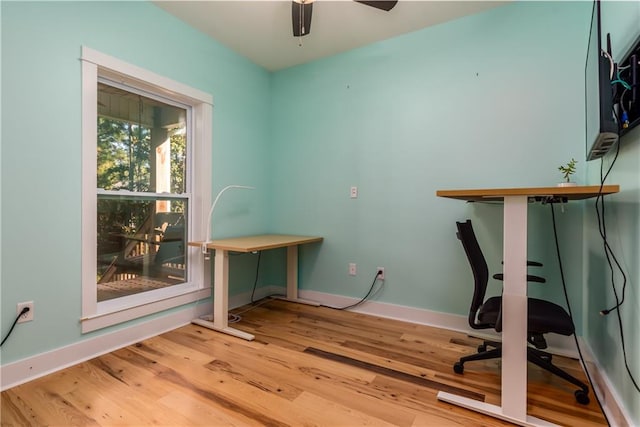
{"x": 97, "y": 315}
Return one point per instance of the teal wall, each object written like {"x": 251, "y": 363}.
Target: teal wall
{"x": 621, "y": 19}
{"x": 490, "y": 100}
{"x": 41, "y": 144}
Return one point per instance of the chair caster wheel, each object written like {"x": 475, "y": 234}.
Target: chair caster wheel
{"x": 582, "y": 397}
{"x": 482, "y": 348}
{"x": 458, "y": 368}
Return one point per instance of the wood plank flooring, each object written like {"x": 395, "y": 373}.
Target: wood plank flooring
{"x": 309, "y": 366}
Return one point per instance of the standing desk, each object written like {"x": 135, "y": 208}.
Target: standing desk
{"x": 514, "y": 295}
{"x": 245, "y": 244}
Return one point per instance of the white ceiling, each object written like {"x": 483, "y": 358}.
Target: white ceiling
{"x": 261, "y": 30}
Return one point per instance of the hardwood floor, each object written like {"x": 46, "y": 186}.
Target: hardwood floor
{"x": 308, "y": 366}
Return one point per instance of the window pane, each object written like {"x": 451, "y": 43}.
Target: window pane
{"x": 142, "y": 143}
{"x": 141, "y": 244}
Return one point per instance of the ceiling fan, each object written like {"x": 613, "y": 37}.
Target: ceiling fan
{"x": 301, "y": 13}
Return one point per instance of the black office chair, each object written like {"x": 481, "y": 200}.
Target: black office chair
{"x": 543, "y": 316}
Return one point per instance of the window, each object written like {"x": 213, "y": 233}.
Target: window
{"x": 146, "y": 179}
{"x": 142, "y": 152}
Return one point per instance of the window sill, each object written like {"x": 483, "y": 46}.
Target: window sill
{"x": 110, "y": 314}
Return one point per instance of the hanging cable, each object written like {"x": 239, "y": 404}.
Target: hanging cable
{"x": 255, "y": 281}
{"x": 235, "y": 317}
{"x": 375, "y": 279}
{"x": 24, "y": 311}
{"x": 610, "y": 256}
{"x": 566, "y": 298}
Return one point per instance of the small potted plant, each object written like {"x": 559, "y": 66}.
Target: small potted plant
{"x": 568, "y": 170}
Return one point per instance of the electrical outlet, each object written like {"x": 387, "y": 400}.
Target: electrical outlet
{"x": 354, "y": 192}
{"x": 380, "y": 270}
{"x": 28, "y": 316}
{"x": 352, "y": 269}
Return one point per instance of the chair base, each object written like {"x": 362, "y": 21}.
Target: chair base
{"x": 537, "y": 357}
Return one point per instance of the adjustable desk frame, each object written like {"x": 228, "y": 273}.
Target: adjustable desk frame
{"x": 221, "y": 274}
{"x": 514, "y": 296}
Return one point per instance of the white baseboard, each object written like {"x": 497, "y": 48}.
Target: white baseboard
{"x": 391, "y": 311}
{"x": 30, "y": 368}
{"x": 612, "y": 404}
{"x": 558, "y": 344}
{"x": 239, "y": 300}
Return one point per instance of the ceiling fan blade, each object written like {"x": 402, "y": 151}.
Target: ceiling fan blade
{"x": 379, "y": 4}
{"x": 301, "y": 18}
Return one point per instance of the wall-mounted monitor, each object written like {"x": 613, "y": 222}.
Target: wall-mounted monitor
{"x": 601, "y": 126}
{"x": 612, "y": 83}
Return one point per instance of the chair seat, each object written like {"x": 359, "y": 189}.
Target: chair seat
{"x": 543, "y": 316}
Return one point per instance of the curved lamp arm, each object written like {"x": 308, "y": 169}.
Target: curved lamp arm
{"x": 213, "y": 206}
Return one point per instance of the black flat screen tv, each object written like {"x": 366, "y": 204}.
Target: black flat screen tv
{"x": 602, "y": 130}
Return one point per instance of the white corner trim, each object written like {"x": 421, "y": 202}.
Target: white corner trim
{"x": 612, "y": 405}
{"x": 30, "y": 368}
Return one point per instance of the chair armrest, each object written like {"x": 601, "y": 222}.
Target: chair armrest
{"x": 530, "y": 278}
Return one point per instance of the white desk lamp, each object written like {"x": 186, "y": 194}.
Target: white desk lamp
{"x": 213, "y": 206}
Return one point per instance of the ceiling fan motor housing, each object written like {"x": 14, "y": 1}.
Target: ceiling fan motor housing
{"x": 301, "y": 13}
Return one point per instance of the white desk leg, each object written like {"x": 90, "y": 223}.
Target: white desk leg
{"x": 491, "y": 410}
{"x": 514, "y": 324}
{"x": 514, "y": 308}
{"x": 221, "y": 299}
{"x": 292, "y": 278}
{"x": 221, "y": 289}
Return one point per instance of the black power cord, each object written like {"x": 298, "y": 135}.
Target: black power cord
{"x": 600, "y": 211}
{"x": 235, "y": 317}
{"x": 566, "y": 297}
{"x": 25, "y": 310}
{"x": 373, "y": 284}
{"x": 602, "y": 228}
{"x": 255, "y": 282}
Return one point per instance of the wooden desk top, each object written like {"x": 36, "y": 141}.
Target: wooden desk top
{"x": 258, "y": 243}
{"x": 578, "y": 192}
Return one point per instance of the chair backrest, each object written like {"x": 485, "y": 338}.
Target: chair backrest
{"x": 479, "y": 268}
